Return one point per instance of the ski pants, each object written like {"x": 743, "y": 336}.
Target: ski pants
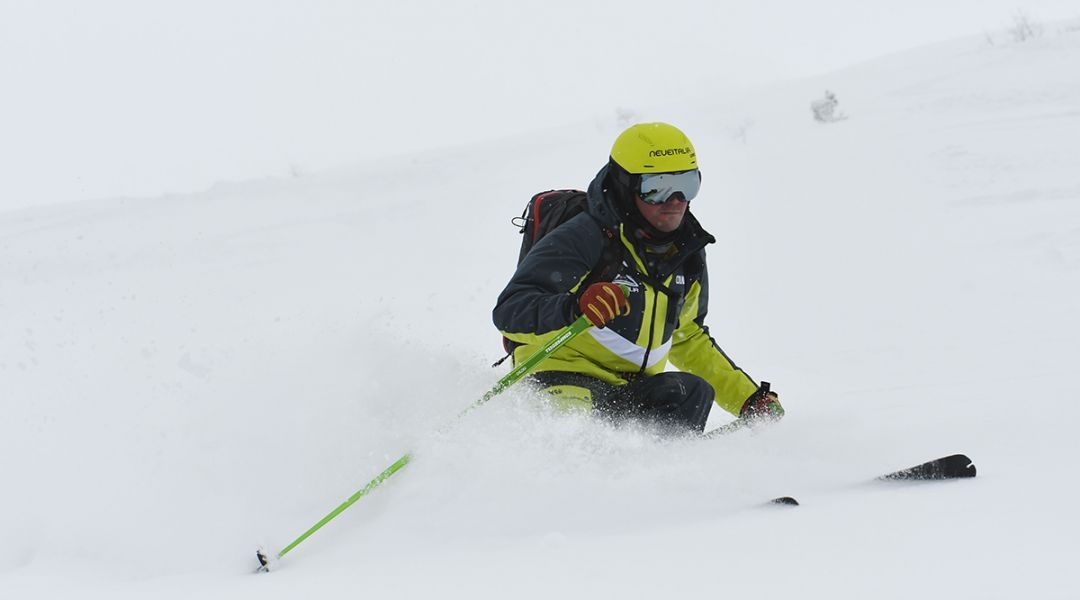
{"x": 678, "y": 400}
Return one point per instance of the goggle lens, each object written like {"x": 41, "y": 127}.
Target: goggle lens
{"x": 658, "y": 188}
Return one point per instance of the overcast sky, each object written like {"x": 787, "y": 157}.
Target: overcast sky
{"x": 112, "y": 98}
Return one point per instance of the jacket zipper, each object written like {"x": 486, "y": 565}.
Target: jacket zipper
{"x": 656, "y": 298}
{"x": 652, "y": 331}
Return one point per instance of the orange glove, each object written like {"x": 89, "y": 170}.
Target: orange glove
{"x": 603, "y": 301}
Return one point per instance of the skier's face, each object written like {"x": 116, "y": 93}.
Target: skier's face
{"x": 665, "y": 217}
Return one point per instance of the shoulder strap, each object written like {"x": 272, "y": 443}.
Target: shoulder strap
{"x": 607, "y": 266}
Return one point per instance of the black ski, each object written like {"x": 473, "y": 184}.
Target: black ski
{"x": 956, "y": 466}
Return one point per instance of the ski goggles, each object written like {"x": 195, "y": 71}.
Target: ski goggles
{"x": 658, "y": 188}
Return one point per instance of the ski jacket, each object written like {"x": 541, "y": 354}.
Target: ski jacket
{"x": 669, "y": 294}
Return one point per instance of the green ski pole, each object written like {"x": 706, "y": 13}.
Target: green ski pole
{"x": 526, "y": 367}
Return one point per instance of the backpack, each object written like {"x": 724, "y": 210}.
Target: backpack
{"x": 546, "y": 211}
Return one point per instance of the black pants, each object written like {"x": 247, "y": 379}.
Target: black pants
{"x": 678, "y": 400}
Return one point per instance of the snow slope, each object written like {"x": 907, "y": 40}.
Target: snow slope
{"x": 185, "y": 377}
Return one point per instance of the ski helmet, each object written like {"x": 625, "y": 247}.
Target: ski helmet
{"x": 644, "y": 150}
{"x": 653, "y": 148}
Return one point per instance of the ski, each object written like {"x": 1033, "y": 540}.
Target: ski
{"x": 956, "y": 466}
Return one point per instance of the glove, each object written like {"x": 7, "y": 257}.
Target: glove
{"x": 603, "y": 301}
{"x": 763, "y": 405}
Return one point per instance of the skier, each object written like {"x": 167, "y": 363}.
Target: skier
{"x": 634, "y": 264}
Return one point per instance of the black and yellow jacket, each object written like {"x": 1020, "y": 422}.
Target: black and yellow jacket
{"x": 669, "y": 292}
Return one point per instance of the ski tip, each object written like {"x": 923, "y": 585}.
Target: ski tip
{"x": 784, "y": 501}
{"x": 966, "y": 465}
{"x": 954, "y": 466}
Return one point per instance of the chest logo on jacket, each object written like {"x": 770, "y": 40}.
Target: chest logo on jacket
{"x": 628, "y": 281}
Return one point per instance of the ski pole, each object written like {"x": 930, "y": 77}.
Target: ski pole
{"x": 526, "y": 367}
{"x": 742, "y": 422}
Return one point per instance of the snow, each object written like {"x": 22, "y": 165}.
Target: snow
{"x": 185, "y": 377}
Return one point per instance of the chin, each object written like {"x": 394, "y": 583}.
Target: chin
{"x": 668, "y": 227}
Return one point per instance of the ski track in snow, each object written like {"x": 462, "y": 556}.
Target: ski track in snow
{"x": 185, "y": 377}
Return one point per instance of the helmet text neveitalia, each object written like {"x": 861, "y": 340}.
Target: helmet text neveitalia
{"x": 671, "y": 152}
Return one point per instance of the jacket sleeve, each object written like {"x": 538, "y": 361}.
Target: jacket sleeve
{"x": 695, "y": 351}
{"x": 541, "y": 296}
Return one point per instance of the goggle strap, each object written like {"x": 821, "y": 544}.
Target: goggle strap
{"x": 621, "y": 175}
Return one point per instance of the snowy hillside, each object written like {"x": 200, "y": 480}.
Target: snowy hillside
{"x": 186, "y": 377}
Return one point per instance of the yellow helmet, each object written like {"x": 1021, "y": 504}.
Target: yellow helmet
{"x": 653, "y": 148}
